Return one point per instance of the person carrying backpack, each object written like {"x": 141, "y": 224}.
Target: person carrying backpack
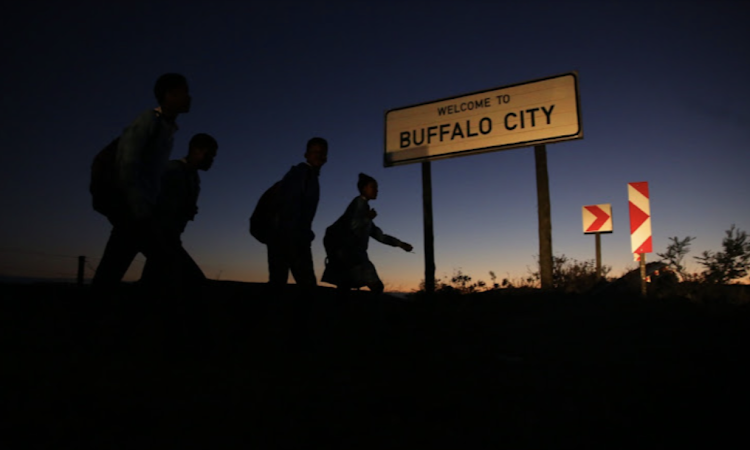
{"x": 142, "y": 152}
{"x": 289, "y": 246}
{"x": 346, "y": 241}
{"x": 178, "y": 204}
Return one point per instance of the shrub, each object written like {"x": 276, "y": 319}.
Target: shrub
{"x": 676, "y": 251}
{"x": 571, "y": 275}
{"x": 462, "y": 283}
{"x": 731, "y": 264}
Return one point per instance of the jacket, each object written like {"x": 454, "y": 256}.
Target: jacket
{"x": 142, "y": 155}
{"x": 178, "y": 198}
{"x": 299, "y": 195}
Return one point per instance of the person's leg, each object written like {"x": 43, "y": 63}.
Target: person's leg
{"x": 103, "y": 332}
{"x": 118, "y": 326}
{"x": 159, "y": 249}
{"x": 193, "y": 276}
{"x": 279, "y": 308}
{"x": 182, "y": 276}
{"x": 303, "y": 303}
{"x": 278, "y": 264}
{"x": 370, "y": 277}
{"x": 189, "y": 282}
{"x": 119, "y": 253}
{"x": 168, "y": 264}
{"x": 165, "y": 303}
{"x": 376, "y": 287}
{"x": 148, "y": 274}
{"x": 378, "y": 322}
{"x": 192, "y": 312}
{"x": 301, "y": 264}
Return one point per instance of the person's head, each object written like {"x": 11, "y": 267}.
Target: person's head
{"x": 367, "y": 186}
{"x": 171, "y": 91}
{"x": 202, "y": 151}
{"x": 317, "y": 152}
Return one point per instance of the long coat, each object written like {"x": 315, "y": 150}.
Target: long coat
{"x": 346, "y": 242}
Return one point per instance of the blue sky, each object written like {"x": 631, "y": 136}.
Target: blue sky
{"x": 663, "y": 88}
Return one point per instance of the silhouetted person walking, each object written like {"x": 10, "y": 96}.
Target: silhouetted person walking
{"x": 289, "y": 247}
{"x": 346, "y": 241}
{"x": 142, "y": 154}
{"x": 178, "y": 204}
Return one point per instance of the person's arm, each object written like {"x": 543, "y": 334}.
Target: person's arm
{"x": 377, "y": 234}
{"x": 131, "y": 163}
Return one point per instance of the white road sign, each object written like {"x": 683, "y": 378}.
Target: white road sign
{"x": 520, "y": 115}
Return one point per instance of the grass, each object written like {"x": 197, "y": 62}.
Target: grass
{"x": 506, "y": 368}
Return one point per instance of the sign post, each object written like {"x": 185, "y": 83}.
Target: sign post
{"x": 640, "y": 225}
{"x": 533, "y": 113}
{"x": 429, "y": 250}
{"x": 642, "y": 265}
{"x": 545, "y": 218}
{"x": 598, "y": 255}
{"x": 597, "y": 219}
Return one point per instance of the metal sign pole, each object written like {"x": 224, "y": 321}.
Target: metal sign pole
{"x": 81, "y": 269}
{"x": 429, "y": 249}
{"x": 643, "y": 273}
{"x": 545, "y": 220}
{"x": 598, "y": 256}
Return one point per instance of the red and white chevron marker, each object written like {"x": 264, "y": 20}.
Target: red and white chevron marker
{"x": 597, "y": 218}
{"x": 640, "y": 218}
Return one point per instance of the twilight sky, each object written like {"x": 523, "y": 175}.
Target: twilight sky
{"x": 664, "y": 94}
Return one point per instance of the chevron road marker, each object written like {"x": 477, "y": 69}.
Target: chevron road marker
{"x": 597, "y": 218}
{"x": 640, "y": 219}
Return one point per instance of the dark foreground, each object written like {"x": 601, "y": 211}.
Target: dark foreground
{"x": 500, "y": 370}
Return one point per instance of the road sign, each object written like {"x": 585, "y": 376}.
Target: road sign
{"x": 640, "y": 218}
{"x": 520, "y": 115}
{"x": 597, "y": 218}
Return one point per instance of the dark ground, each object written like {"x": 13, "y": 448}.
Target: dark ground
{"x": 509, "y": 369}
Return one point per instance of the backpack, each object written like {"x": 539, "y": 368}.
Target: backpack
{"x": 335, "y": 238}
{"x": 265, "y": 215}
{"x": 339, "y": 241}
{"x": 106, "y": 197}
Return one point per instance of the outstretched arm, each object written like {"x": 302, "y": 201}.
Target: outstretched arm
{"x": 377, "y": 234}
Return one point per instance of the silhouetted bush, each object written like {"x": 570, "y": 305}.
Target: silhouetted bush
{"x": 573, "y": 276}
{"x": 675, "y": 253}
{"x": 731, "y": 264}
{"x": 667, "y": 278}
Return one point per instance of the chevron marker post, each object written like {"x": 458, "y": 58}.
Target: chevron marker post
{"x": 597, "y": 218}
{"x": 640, "y": 219}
